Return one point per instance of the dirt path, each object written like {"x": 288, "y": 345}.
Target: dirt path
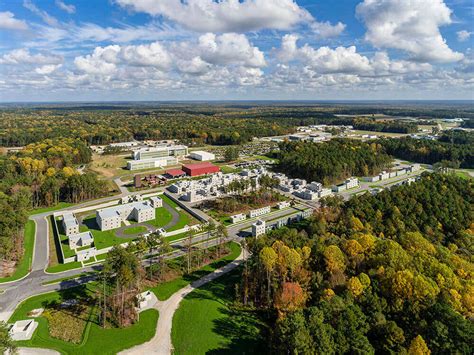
{"x": 161, "y": 342}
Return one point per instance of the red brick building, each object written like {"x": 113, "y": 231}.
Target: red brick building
{"x": 200, "y": 169}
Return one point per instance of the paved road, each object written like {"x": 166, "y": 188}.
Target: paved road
{"x": 161, "y": 342}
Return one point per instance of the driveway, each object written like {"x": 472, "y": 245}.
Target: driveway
{"x": 161, "y": 342}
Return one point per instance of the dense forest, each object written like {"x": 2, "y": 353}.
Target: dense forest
{"x": 430, "y": 152}
{"x": 41, "y": 174}
{"x": 333, "y": 161}
{"x": 220, "y": 124}
{"x": 458, "y": 137}
{"x": 389, "y": 273}
{"x": 393, "y": 126}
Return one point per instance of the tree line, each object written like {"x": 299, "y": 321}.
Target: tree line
{"x": 341, "y": 283}
{"x": 430, "y": 151}
{"x": 41, "y": 175}
{"x": 333, "y": 161}
{"x": 393, "y": 126}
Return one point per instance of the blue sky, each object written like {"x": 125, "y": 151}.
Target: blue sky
{"x": 66, "y": 50}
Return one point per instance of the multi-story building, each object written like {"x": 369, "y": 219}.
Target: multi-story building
{"x": 156, "y": 202}
{"x": 238, "y": 218}
{"x": 258, "y": 228}
{"x": 324, "y": 192}
{"x": 70, "y": 224}
{"x": 161, "y": 152}
{"x": 151, "y": 163}
{"x": 259, "y": 211}
{"x": 352, "y": 182}
{"x": 283, "y": 204}
{"x": 112, "y": 217}
{"x": 306, "y": 194}
{"x": 80, "y": 240}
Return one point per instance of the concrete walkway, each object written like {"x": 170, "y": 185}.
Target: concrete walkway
{"x": 161, "y": 342}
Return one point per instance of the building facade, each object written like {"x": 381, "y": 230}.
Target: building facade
{"x": 112, "y": 217}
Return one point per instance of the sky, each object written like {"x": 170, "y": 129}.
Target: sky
{"x": 146, "y": 50}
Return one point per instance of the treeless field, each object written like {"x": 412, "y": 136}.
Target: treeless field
{"x": 109, "y": 166}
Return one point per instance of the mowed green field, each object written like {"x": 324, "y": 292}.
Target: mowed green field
{"x": 205, "y": 322}
{"x": 95, "y": 339}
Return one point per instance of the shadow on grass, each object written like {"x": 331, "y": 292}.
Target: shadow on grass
{"x": 244, "y": 330}
{"x": 91, "y": 223}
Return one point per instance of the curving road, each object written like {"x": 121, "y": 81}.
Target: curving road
{"x": 161, "y": 342}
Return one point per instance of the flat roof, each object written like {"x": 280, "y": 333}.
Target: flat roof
{"x": 204, "y": 164}
{"x": 175, "y": 172}
{"x": 113, "y": 211}
{"x": 84, "y": 236}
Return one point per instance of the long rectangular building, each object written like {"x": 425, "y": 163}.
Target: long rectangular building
{"x": 161, "y": 152}
{"x": 151, "y": 163}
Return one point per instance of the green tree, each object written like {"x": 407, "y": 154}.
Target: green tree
{"x": 6, "y": 342}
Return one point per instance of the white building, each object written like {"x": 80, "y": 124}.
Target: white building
{"x": 384, "y": 175}
{"x": 283, "y": 204}
{"x": 151, "y": 163}
{"x": 351, "y": 183}
{"x": 156, "y": 202}
{"x": 238, "y": 218}
{"x": 413, "y": 168}
{"x": 86, "y": 254}
{"x": 70, "y": 223}
{"x": 258, "y": 228}
{"x": 202, "y": 156}
{"x": 112, "y": 217}
{"x": 80, "y": 240}
{"x": 306, "y": 194}
{"x": 161, "y": 152}
{"x": 259, "y": 212}
{"x": 315, "y": 186}
{"x": 131, "y": 198}
{"x": 324, "y": 192}
{"x": 23, "y": 329}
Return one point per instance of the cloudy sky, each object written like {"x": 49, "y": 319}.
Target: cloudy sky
{"x": 68, "y": 50}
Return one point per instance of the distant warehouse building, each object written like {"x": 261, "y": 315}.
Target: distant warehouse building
{"x": 151, "y": 163}
{"x": 200, "y": 169}
{"x": 202, "y": 156}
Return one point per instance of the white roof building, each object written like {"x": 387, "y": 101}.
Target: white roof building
{"x": 258, "y": 228}
{"x": 70, "y": 223}
{"x": 80, "y": 240}
{"x": 23, "y": 329}
{"x": 202, "y": 155}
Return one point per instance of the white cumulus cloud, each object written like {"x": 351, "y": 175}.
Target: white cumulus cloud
{"x": 9, "y": 22}
{"x": 411, "y": 26}
{"x": 225, "y": 15}
{"x": 230, "y": 48}
{"x": 24, "y": 56}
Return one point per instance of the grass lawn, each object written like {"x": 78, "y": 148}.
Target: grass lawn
{"x": 95, "y": 339}
{"x": 463, "y": 175}
{"x": 24, "y": 265}
{"x": 184, "y": 217}
{"x": 135, "y": 230}
{"x": 59, "y": 206}
{"x": 176, "y": 237}
{"x": 102, "y": 239}
{"x": 63, "y": 267}
{"x": 206, "y": 324}
{"x": 164, "y": 290}
{"x": 162, "y": 217}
